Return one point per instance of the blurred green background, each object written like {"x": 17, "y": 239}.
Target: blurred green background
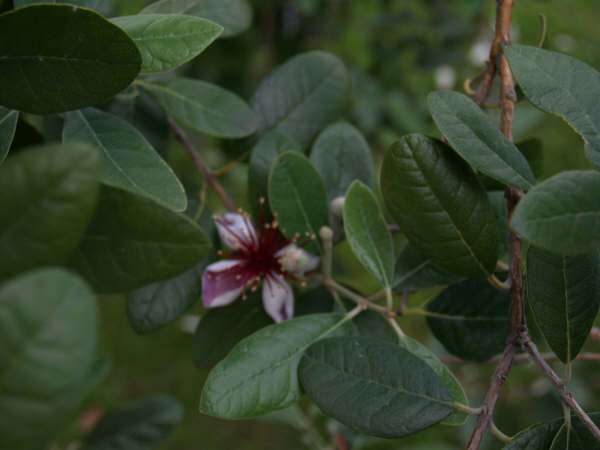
{"x": 397, "y": 51}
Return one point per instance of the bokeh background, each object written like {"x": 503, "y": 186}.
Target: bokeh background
{"x": 397, "y": 51}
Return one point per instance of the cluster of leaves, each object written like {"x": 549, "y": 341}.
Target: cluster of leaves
{"x": 101, "y": 212}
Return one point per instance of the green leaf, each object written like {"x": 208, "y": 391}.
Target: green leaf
{"x": 574, "y": 437}
{"x": 498, "y": 201}
{"x": 373, "y": 386}
{"x": 140, "y": 426}
{"x": 303, "y": 95}
{"x": 341, "y": 155}
{"x": 477, "y": 140}
{"x": 563, "y": 292}
{"x": 440, "y": 205}
{"x": 47, "y": 198}
{"x": 370, "y": 324}
{"x": 48, "y": 334}
{"x": 454, "y": 387}
{"x": 562, "y": 214}
{"x": 155, "y": 305}
{"x": 264, "y": 152}
{"x": 562, "y": 86}
{"x": 297, "y": 195}
{"x": 220, "y": 330}
{"x": 470, "y": 319}
{"x": 8, "y": 126}
{"x": 260, "y": 374}
{"x": 546, "y": 435}
{"x": 367, "y": 233}
{"x": 133, "y": 241}
{"x": 203, "y": 106}
{"x": 415, "y": 272}
{"x": 234, "y": 15}
{"x": 99, "y": 5}
{"x": 58, "y": 57}
{"x": 167, "y": 41}
{"x": 127, "y": 160}
{"x": 317, "y": 300}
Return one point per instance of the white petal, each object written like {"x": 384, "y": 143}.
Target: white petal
{"x": 220, "y": 283}
{"x": 296, "y": 260}
{"x": 278, "y": 299}
{"x": 236, "y": 230}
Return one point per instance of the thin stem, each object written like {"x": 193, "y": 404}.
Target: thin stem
{"x": 467, "y": 409}
{"x": 363, "y": 302}
{"x": 565, "y": 395}
{"x": 326, "y": 235}
{"x": 208, "y": 175}
{"x": 521, "y": 358}
{"x": 500, "y": 285}
{"x": 388, "y": 298}
{"x": 566, "y": 410}
{"x": 397, "y": 329}
{"x": 499, "y": 434}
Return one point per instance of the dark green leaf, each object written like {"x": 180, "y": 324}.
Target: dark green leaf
{"x": 203, "y": 106}
{"x": 564, "y": 295}
{"x": 498, "y": 201}
{"x": 47, "y": 198}
{"x": 167, "y": 41}
{"x": 563, "y": 86}
{"x": 303, "y": 95}
{"x": 562, "y": 214}
{"x": 318, "y": 300}
{"x": 8, "y": 126}
{"x": 414, "y": 272}
{"x": 575, "y": 437}
{"x": 470, "y": 319}
{"x": 440, "y": 205}
{"x": 234, "y": 15}
{"x": 48, "y": 334}
{"x": 140, "y": 426}
{"x": 367, "y": 233}
{"x": 220, "y": 329}
{"x": 127, "y": 160}
{"x": 544, "y": 435}
{"x": 133, "y": 241}
{"x": 264, "y": 152}
{"x": 297, "y": 195}
{"x": 479, "y": 141}
{"x": 341, "y": 155}
{"x": 157, "y": 304}
{"x": 533, "y": 151}
{"x": 102, "y": 6}
{"x": 57, "y": 58}
{"x": 260, "y": 374}
{"x": 369, "y": 324}
{"x": 374, "y": 386}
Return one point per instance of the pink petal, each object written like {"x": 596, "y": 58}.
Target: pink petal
{"x": 297, "y": 261}
{"x": 278, "y": 299}
{"x": 222, "y": 283}
{"x": 236, "y": 231}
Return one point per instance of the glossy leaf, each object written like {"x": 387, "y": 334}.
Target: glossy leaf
{"x": 341, "y": 155}
{"x": 414, "y": 272}
{"x": 264, "y": 152}
{"x": 479, "y": 141}
{"x": 234, "y": 15}
{"x": 374, "y": 387}
{"x": 562, "y": 214}
{"x": 127, "y": 160}
{"x": 220, "y": 329}
{"x": 561, "y": 85}
{"x": 544, "y": 435}
{"x": 564, "y": 295}
{"x": 140, "y": 426}
{"x": 42, "y": 366}
{"x": 368, "y": 234}
{"x": 260, "y": 374}
{"x": 302, "y": 96}
{"x": 71, "y": 58}
{"x": 203, "y": 106}
{"x": 133, "y": 241}
{"x": 440, "y": 205}
{"x": 297, "y": 195}
{"x": 155, "y": 305}
{"x": 167, "y": 41}
{"x": 47, "y": 198}
{"x": 8, "y": 126}
{"x": 470, "y": 319}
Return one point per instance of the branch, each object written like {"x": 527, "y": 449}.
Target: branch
{"x": 208, "y": 175}
{"x": 521, "y": 358}
{"x": 565, "y": 395}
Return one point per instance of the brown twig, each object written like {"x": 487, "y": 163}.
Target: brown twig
{"x": 595, "y": 334}
{"x": 341, "y": 442}
{"x": 520, "y": 358}
{"x": 566, "y": 397}
{"x": 394, "y": 229}
{"x": 208, "y": 175}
